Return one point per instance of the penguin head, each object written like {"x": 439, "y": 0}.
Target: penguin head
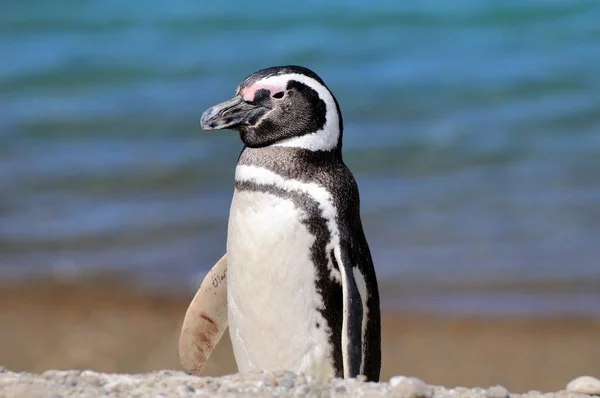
{"x": 281, "y": 106}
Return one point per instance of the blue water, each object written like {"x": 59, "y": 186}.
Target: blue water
{"x": 472, "y": 127}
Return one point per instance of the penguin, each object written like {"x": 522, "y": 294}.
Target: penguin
{"x": 297, "y": 286}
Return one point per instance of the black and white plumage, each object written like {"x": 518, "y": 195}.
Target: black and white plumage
{"x": 301, "y": 287}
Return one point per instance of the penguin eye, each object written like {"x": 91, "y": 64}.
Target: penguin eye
{"x": 278, "y": 95}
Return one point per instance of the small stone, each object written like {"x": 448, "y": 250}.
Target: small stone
{"x": 287, "y": 379}
{"x": 286, "y": 383}
{"x": 340, "y": 389}
{"x": 411, "y": 387}
{"x": 463, "y": 391}
{"x": 396, "y": 380}
{"x": 496, "y": 392}
{"x": 91, "y": 380}
{"x": 584, "y": 385}
{"x": 302, "y": 390}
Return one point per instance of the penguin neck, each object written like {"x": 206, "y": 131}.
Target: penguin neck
{"x": 290, "y": 161}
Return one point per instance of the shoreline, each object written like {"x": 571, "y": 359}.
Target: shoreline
{"x": 104, "y": 325}
{"x": 536, "y": 299}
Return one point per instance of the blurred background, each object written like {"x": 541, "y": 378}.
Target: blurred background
{"x": 472, "y": 128}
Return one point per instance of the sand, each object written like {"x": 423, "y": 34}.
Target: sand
{"x": 104, "y": 326}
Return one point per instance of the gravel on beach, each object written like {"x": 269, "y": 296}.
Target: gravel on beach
{"x": 86, "y": 383}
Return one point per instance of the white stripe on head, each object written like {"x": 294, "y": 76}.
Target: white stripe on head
{"x": 260, "y": 175}
{"x": 325, "y": 139}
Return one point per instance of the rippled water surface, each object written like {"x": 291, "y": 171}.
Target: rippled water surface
{"x": 473, "y": 129}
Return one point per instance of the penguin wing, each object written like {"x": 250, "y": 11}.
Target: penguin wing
{"x": 205, "y": 319}
{"x": 352, "y": 330}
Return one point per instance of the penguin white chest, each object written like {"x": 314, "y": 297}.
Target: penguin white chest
{"x": 273, "y": 303}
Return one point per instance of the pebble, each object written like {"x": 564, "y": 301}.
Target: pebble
{"x": 288, "y": 380}
{"x": 496, "y": 392}
{"x": 584, "y": 385}
{"x": 458, "y": 390}
{"x": 91, "y": 380}
{"x": 302, "y": 390}
{"x": 410, "y": 387}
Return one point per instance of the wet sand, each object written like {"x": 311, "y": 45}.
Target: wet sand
{"x": 103, "y": 325}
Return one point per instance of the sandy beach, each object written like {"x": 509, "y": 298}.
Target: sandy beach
{"x": 102, "y": 325}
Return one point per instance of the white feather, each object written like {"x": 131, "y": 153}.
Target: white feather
{"x": 273, "y": 301}
{"x": 261, "y": 175}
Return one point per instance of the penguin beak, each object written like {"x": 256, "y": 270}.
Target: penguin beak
{"x": 230, "y": 114}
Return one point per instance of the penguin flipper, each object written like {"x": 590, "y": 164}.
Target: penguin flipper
{"x": 205, "y": 319}
{"x": 353, "y": 313}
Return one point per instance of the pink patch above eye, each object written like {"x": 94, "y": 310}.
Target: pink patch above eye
{"x": 249, "y": 92}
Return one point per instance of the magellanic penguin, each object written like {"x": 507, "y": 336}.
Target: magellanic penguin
{"x": 301, "y": 289}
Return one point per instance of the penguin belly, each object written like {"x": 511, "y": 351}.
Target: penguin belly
{"x": 274, "y": 307}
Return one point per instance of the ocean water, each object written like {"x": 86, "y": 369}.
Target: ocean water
{"x": 472, "y": 127}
